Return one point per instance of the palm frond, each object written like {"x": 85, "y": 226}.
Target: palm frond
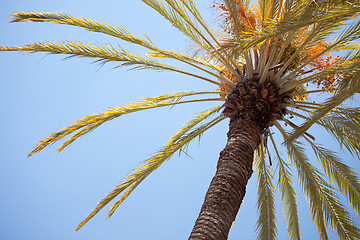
{"x": 347, "y": 181}
{"x": 266, "y": 224}
{"x": 330, "y": 104}
{"x": 325, "y": 206}
{"x": 350, "y": 85}
{"x": 269, "y": 10}
{"x": 86, "y": 23}
{"x": 192, "y": 61}
{"x": 343, "y": 68}
{"x": 179, "y": 18}
{"x": 330, "y": 18}
{"x": 103, "y": 54}
{"x": 177, "y": 142}
{"x": 343, "y": 129}
{"x": 345, "y": 39}
{"x": 288, "y": 196}
{"x": 119, "y": 32}
{"x": 190, "y": 5}
{"x": 89, "y": 123}
{"x": 233, "y": 9}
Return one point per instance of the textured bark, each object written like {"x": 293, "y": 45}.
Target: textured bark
{"x": 227, "y": 188}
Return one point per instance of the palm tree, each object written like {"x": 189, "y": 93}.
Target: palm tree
{"x": 274, "y": 72}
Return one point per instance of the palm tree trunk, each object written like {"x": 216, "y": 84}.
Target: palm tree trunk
{"x": 227, "y": 188}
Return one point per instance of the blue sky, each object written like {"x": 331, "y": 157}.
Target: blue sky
{"x": 47, "y": 195}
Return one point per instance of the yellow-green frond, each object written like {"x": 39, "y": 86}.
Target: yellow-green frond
{"x": 86, "y": 23}
{"x": 326, "y": 19}
{"x": 325, "y": 206}
{"x": 345, "y": 128}
{"x": 178, "y": 16}
{"x": 190, "y": 5}
{"x": 330, "y": 104}
{"x": 193, "y": 61}
{"x": 288, "y": 196}
{"x": 176, "y": 143}
{"x": 349, "y": 86}
{"x": 266, "y": 224}
{"x": 89, "y": 123}
{"x": 103, "y": 54}
{"x": 305, "y": 175}
{"x": 119, "y": 32}
{"x": 346, "y": 180}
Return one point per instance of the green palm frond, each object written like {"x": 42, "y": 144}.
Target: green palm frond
{"x": 176, "y": 13}
{"x": 86, "y": 23}
{"x": 350, "y": 85}
{"x": 234, "y": 14}
{"x": 327, "y": 18}
{"x": 190, "y": 5}
{"x": 103, "y": 54}
{"x": 269, "y": 10}
{"x": 115, "y": 31}
{"x": 325, "y": 206}
{"x": 330, "y": 104}
{"x": 345, "y": 131}
{"x": 266, "y": 224}
{"x": 89, "y": 123}
{"x": 344, "y": 40}
{"x": 310, "y": 39}
{"x": 288, "y": 196}
{"x": 193, "y": 61}
{"x": 178, "y": 16}
{"x": 177, "y": 142}
{"x": 347, "y": 181}
{"x": 344, "y": 69}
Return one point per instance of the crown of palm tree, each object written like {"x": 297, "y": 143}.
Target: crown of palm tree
{"x": 274, "y": 59}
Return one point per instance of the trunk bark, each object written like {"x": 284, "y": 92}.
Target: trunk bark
{"x": 227, "y": 188}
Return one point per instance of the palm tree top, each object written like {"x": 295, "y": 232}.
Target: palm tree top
{"x": 287, "y": 65}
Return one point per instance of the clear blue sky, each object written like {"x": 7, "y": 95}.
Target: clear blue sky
{"x": 46, "y": 196}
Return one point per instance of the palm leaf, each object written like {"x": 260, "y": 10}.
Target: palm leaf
{"x": 190, "y": 5}
{"x": 288, "y": 197}
{"x": 89, "y": 123}
{"x": 345, "y": 131}
{"x": 342, "y": 128}
{"x": 301, "y": 16}
{"x": 330, "y": 104}
{"x": 178, "y": 141}
{"x": 266, "y": 224}
{"x": 347, "y": 181}
{"x": 115, "y": 31}
{"x": 178, "y": 17}
{"x": 350, "y": 83}
{"x": 86, "y": 23}
{"x": 345, "y": 39}
{"x": 103, "y": 54}
{"x": 325, "y": 206}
